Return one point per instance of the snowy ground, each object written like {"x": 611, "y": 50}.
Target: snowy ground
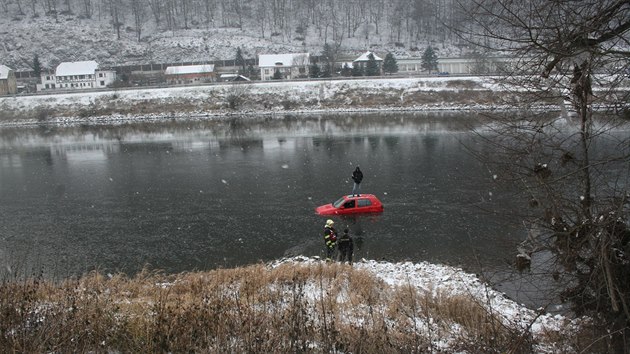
{"x": 211, "y": 100}
{"x": 438, "y": 280}
{"x": 72, "y": 38}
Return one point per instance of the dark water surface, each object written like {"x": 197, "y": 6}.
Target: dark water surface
{"x": 196, "y": 195}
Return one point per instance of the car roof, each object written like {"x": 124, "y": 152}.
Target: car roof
{"x": 362, "y": 196}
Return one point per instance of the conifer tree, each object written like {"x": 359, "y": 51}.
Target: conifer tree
{"x": 240, "y": 61}
{"x": 328, "y": 59}
{"x": 277, "y": 75}
{"x": 429, "y": 60}
{"x": 325, "y": 72}
{"x": 372, "y": 69}
{"x": 357, "y": 70}
{"x": 389, "y": 64}
{"x": 314, "y": 71}
{"x": 346, "y": 70}
{"x": 37, "y": 66}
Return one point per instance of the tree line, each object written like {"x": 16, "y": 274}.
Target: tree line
{"x": 400, "y": 21}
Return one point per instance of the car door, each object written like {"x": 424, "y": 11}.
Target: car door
{"x": 365, "y": 205}
{"x": 349, "y": 207}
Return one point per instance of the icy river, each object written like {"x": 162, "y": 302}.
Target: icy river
{"x": 196, "y": 195}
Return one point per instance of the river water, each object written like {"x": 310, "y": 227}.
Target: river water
{"x": 196, "y": 195}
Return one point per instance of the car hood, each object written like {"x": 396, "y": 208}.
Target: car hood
{"x": 326, "y": 209}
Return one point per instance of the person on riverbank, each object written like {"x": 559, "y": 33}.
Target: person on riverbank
{"x": 357, "y": 177}
{"x": 330, "y": 239}
{"x": 345, "y": 246}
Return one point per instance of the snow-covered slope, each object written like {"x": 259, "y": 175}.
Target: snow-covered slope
{"x": 72, "y": 38}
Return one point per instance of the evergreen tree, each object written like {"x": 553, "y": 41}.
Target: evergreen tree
{"x": 240, "y": 61}
{"x": 314, "y": 71}
{"x": 325, "y": 72}
{"x": 328, "y": 58}
{"x": 357, "y": 70}
{"x": 346, "y": 71}
{"x": 252, "y": 73}
{"x": 429, "y": 60}
{"x": 372, "y": 69}
{"x": 277, "y": 75}
{"x": 37, "y": 66}
{"x": 389, "y": 64}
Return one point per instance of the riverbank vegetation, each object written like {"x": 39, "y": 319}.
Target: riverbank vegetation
{"x": 289, "y": 307}
{"x": 575, "y": 197}
{"x": 381, "y": 94}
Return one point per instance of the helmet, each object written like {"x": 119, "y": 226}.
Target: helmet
{"x": 329, "y": 222}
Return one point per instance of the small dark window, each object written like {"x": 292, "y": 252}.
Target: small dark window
{"x": 349, "y": 204}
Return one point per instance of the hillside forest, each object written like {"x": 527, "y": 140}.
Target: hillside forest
{"x": 121, "y": 32}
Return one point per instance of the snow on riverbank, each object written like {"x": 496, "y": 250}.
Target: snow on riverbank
{"x": 438, "y": 280}
{"x": 255, "y": 98}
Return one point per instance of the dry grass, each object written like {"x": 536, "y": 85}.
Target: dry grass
{"x": 291, "y": 308}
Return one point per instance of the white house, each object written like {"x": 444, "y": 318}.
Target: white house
{"x": 77, "y": 75}
{"x": 461, "y": 66}
{"x": 364, "y": 58}
{"x": 289, "y": 66}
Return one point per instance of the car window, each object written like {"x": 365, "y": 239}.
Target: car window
{"x": 364, "y": 202}
{"x": 349, "y": 204}
{"x": 339, "y": 202}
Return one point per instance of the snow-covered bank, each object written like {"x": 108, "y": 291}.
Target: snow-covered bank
{"x": 441, "y": 281}
{"x": 290, "y": 304}
{"x": 216, "y": 100}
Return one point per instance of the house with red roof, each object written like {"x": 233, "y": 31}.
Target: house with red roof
{"x": 190, "y": 74}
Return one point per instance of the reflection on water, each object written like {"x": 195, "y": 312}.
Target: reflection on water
{"x": 202, "y": 194}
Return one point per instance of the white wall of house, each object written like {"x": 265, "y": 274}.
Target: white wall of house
{"x": 291, "y": 66}
{"x": 76, "y": 76}
{"x": 456, "y": 66}
{"x": 104, "y": 78}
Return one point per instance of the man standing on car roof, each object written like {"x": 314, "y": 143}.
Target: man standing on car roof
{"x": 357, "y": 177}
{"x": 330, "y": 238}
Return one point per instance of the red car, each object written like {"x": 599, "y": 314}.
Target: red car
{"x": 348, "y": 204}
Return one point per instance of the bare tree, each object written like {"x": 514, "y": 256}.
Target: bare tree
{"x": 138, "y": 12}
{"x": 87, "y": 8}
{"x": 33, "y": 4}
{"x": 18, "y": 3}
{"x": 573, "y": 52}
{"x": 156, "y": 7}
{"x": 261, "y": 17}
{"x": 209, "y": 10}
{"x": 116, "y": 14}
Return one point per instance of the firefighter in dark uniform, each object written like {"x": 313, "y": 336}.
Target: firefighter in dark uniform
{"x": 330, "y": 238}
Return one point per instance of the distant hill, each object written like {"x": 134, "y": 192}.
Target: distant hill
{"x": 199, "y": 30}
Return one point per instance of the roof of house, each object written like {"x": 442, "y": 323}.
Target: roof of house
{"x": 234, "y": 77}
{"x": 292, "y": 59}
{"x": 76, "y": 68}
{"x": 4, "y": 72}
{"x": 189, "y": 69}
{"x": 364, "y": 57}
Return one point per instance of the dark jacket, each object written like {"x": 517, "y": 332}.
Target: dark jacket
{"x": 344, "y": 243}
{"x": 357, "y": 176}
